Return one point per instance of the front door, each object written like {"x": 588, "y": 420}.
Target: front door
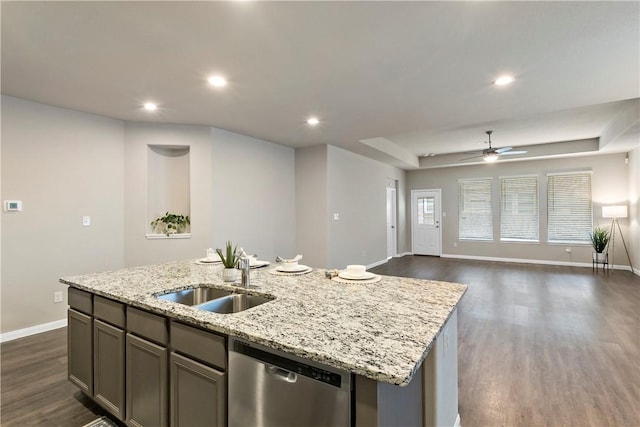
{"x": 425, "y": 222}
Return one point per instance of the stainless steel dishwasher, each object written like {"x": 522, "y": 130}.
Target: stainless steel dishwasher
{"x": 268, "y": 388}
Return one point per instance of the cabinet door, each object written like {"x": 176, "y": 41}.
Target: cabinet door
{"x": 108, "y": 367}
{"x": 198, "y": 394}
{"x": 79, "y": 351}
{"x": 147, "y": 383}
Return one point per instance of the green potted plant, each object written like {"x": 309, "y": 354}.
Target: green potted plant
{"x": 599, "y": 240}
{"x": 229, "y": 259}
{"x": 171, "y": 223}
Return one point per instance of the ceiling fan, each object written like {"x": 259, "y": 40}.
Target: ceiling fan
{"x": 491, "y": 154}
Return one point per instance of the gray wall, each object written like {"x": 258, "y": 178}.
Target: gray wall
{"x": 312, "y": 238}
{"x": 332, "y": 180}
{"x": 610, "y": 184}
{"x": 634, "y": 208}
{"x": 253, "y": 194}
{"x": 63, "y": 165}
{"x": 357, "y": 192}
{"x": 138, "y": 249}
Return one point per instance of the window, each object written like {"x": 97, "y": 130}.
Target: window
{"x": 475, "y": 217}
{"x": 519, "y": 208}
{"x": 426, "y": 210}
{"x": 569, "y": 207}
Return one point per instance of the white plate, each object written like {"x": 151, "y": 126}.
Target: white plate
{"x": 209, "y": 260}
{"x": 366, "y": 276}
{"x": 297, "y": 269}
{"x": 259, "y": 264}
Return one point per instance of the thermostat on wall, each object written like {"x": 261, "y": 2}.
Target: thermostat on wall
{"x": 12, "y": 205}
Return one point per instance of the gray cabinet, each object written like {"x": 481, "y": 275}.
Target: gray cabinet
{"x": 80, "y": 350}
{"x": 147, "y": 369}
{"x": 108, "y": 367}
{"x": 198, "y": 394}
{"x": 147, "y": 383}
{"x": 198, "y": 379}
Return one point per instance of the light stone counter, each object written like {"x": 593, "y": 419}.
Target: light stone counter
{"x": 382, "y": 331}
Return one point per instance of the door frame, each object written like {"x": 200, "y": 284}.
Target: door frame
{"x": 439, "y": 211}
{"x": 394, "y": 210}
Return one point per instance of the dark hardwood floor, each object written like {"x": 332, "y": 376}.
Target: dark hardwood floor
{"x": 538, "y": 346}
{"x": 542, "y": 345}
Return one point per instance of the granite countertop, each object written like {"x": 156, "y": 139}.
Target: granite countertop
{"x": 382, "y": 331}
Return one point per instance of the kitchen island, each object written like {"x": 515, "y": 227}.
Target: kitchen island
{"x": 382, "y": 333}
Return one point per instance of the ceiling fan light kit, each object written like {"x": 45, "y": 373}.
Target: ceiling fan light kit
{"x": 492, "y": 154}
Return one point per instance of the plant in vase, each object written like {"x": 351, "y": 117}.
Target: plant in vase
{"x": 599, "y": 240}
{"x": 171, "y": 223}
{"x": 229, "y": 260}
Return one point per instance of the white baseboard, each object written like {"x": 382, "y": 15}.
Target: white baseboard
{"x": 402, "y": 254}
{"x": 377, "y": 263}
{"x": 531, "y": 261}
{"x": 457, "y": 424}
{"x": 32, "y": 330}
{"x": 636, "y": 271}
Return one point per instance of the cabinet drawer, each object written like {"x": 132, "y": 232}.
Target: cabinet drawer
{"x": 110, "y": 311}
{"x": 147, "y": 325}
{"x": 80, "y": 300}
{"x": 207, "y": 347}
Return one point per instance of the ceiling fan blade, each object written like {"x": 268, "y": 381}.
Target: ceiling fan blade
{"x": 472, "y": 157}
{"x": 503, "y": 149}
{"x": 508, "y": 153}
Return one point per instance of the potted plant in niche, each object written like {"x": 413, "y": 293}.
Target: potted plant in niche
{"x": 229, "y": 260}
{"x": 599, "y": 240}
{"x": 171, "y": 223}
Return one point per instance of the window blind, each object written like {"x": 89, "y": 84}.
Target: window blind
{"x": 519, "y": 218}
{"x": 475, "y": 216}
{"x": 569, "y": 207}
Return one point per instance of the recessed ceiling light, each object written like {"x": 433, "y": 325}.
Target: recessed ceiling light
{"x": 217, "y": 81}
{"x": 504, "y": 80}
{"x": 313, "y": 121}
{"x": 150, "y": 106}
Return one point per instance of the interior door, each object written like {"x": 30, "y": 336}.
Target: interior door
{"x": 425, "y": 222}
{"x": 391, "y": 223}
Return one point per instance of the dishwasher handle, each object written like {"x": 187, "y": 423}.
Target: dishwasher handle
{"x": 283, "y": 374}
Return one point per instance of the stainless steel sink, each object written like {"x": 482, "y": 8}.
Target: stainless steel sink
{"x": 195, "y": 296}
{"x": 234, "y": 303}
{"x": 215, "y": 300}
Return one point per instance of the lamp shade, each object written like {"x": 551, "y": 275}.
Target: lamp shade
{"x": 616, "y": 211}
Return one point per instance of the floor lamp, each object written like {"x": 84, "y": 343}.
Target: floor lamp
{"x": 615, "y": 212}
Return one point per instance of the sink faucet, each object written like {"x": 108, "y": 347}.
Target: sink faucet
{"x": 244, "y": 264}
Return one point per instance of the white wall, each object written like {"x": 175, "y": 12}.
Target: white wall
{"x": 634, "y": 208}
{"x": 138, "y": 249}
{"x": 253, "y": 194}
{"x": 610, "y": 185}
{"x": 63, "y": 165}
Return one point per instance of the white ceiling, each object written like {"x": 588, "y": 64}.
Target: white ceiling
{"x": 415, "y": 76}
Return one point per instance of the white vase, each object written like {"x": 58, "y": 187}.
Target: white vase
{"x": 230, "y": 274}
{"x": 600, "y": 257}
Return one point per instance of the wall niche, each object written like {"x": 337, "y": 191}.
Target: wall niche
{"x": 168, "y": 188}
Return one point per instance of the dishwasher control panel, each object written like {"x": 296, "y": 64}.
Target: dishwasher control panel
{"x": 287, "y": 364}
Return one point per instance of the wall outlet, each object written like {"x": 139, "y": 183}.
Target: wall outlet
{"x": 86, "y": 221}
{"x": 336, "y": 216}
{"x": 455, "y": 244}
{"x": 57, "y": 296}
{"x": 568, "y": 250}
